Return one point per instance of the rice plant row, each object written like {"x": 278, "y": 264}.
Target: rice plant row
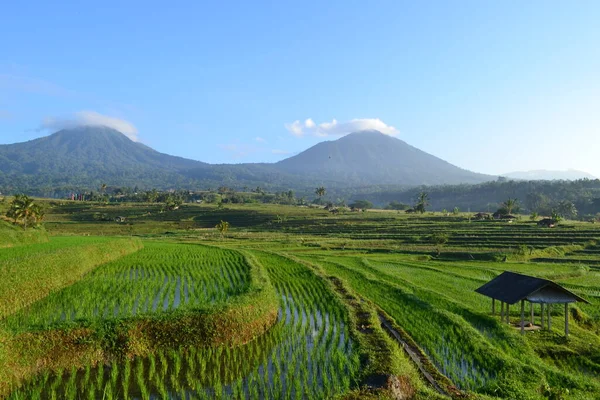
{"x": 32, "y": 272}
{"x": 440, "y": 310}
{"x": 159, "y": 278}
{"x": 308, "y": 354}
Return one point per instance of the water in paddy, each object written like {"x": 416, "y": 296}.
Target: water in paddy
{"x": 162, "y": 277}
{"x": 308, "y": 354}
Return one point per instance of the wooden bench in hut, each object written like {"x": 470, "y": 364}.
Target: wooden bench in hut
{"x": 510, "y": 288}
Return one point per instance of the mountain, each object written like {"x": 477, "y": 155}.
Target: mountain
{"x": 83, "y": 158}
{"x": 545, "y": 175}
{"x": 87, "y": 148}
{"x": 370, "y": 157}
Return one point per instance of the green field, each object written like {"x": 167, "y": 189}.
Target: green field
{"x": 160, "y": 278}
{"x": 307, "y": 290}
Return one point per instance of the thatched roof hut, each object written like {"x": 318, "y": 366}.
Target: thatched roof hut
{"x": 510, "y": 288}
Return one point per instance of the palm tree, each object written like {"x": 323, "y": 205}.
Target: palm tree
{"x": 152, "y": 196}
{"x": 25, "y": 209}
{"x": 422, "y": 202}
{"x": 320, "y": 191}
{"x": 566, "y": 209}
{"x": 223, "y": 227}
{"x": 510, "y": 205}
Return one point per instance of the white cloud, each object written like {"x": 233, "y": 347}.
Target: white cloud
{"x": 92, "y": 118}
{"x": 335, "y": 128}
{"x": 309, "y": 123}
{"x": 260, "y": 140}
{"x": 295, "y": 128}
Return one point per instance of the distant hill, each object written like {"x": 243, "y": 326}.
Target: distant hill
{"x": 84, "y": 158}
{"x": 370, "y": 157}
{"x": 545, "y": 175}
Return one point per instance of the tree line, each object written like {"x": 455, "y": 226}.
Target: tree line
{"x": 574, "y": 199}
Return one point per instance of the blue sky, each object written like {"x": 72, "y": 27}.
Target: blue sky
{"x": 489, "y": 86}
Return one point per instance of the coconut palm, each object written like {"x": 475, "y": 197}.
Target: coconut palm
{"x": 566, "y": 209}
{"x": 223, "y": 227}
{"x": 23, "y": 208}
{"x": 320, "y": 191}
{"x": 510, "y": 205}
{"x": 422, "y": 202}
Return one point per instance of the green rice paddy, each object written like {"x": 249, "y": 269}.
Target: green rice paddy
{"x": 161, "y": 277}
{"x": 309, "y": 353}
{"x": 319, "y": 347}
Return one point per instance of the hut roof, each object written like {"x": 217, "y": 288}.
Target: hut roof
{"x": 511, "y": 287}
{"x": 548, "y": 221}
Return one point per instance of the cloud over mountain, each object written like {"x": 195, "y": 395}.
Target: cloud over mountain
{"x": 336, "y": 128}
{"x": 90, "y": 118}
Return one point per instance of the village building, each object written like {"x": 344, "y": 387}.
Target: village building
{"x": 510, "y": 288}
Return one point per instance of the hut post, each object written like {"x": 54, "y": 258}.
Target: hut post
{"x": 531, "y": 311}
{"x": 566, "y": 319}
{"x": 549, "y": 322}
{"x": 508, "y": 313}
{"x": 522, "y": 317}
{"x": 542, "y": 314}
{"x": 493, "y": 306}
{"x": 501, "y": 311}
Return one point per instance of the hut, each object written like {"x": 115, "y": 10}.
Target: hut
{"x": 481, "y": 216}
{"x": 548, "y": 223}
{"x": 503, "y": 216}
{"x": 510, "y": 288}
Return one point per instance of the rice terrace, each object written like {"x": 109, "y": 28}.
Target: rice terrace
{"x": 132, "y": 300}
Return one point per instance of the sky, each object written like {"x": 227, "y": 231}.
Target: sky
{"x": 489, "y": 86}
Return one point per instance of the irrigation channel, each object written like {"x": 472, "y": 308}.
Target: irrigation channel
{"x": 307, "y": 354}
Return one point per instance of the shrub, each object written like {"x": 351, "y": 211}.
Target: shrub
{"x": 439, "y": 238}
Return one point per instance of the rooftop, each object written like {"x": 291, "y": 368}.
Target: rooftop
{"x": 511, "y": 287}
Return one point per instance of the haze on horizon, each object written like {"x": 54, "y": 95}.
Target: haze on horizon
{"x": 488, "y": 87}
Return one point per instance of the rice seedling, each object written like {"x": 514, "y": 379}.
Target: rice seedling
{"x": 143, "y": 283}
{"x": 31, "y": 272}
{"x": 307, "y": 354}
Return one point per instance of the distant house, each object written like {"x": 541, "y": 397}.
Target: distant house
{"x": 482, "y": 215}
{"x": 499, "y": 215}
{"x": 548, "y": 223}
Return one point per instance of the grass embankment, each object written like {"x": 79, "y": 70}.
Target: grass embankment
{"x": 13, "y": 235}
{"x": 385, "y": 370}
{"x": 95, "y": 339}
